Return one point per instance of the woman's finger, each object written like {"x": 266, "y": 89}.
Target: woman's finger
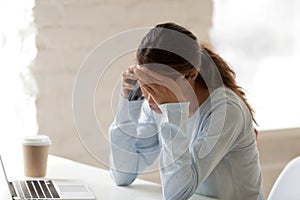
{"x": 156, "y": 84}
{"x": 159, "y": 76}
{"x": 128, "y": 86}
{"x": 131, "y": 68}
{"x": 150, "y": 88}
{"x": 145, "y": 77}
{"x": 142, "y": 72}
{"x": 128, "y": 75}
{"x": 152, "y": 73}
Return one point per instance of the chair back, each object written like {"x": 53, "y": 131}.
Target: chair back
{"x": 287, "y": 185}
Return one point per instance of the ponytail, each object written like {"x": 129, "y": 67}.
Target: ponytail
{"x": 228, "y": 78}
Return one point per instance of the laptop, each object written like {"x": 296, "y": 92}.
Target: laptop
{"x": 39, "y": 189}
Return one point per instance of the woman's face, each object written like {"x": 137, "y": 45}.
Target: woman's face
{"x": 159, "y": 89}
{"x": 187, "y": 91}
{"x": 153, "y": 106}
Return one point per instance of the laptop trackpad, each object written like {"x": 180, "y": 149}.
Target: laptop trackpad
{"x": 73, "y": 189}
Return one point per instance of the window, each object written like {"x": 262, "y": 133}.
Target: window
{"x": 17, "y": 50}
{"x": 260, "y": 40}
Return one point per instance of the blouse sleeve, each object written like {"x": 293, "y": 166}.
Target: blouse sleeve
{"x": 134, "y": 142}
{"x": 185, "y": 164}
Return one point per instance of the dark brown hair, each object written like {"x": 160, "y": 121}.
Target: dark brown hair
{"x": 214, "y": 71}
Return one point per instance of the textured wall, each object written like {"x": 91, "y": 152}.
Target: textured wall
{"x": 67, "y": 30}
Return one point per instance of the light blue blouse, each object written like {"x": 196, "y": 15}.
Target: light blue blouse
{"x": 212, "y": 153}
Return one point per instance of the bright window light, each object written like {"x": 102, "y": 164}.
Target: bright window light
{"x": 17, "y": 51}
{"x": 260, "y": 39}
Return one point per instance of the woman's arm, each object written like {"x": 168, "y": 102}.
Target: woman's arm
{"x": 185, "y": 164}
{"x": 134, "y": 142}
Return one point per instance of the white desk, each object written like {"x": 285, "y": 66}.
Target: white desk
{"x": 97, "y": 179}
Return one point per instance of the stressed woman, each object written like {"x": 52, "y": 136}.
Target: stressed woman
{"x": 189, "y": 112}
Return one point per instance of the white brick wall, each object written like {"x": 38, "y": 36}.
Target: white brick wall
{"x": 68, "y": 29}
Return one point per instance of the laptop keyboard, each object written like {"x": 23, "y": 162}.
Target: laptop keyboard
{"x": 37, "y": 189}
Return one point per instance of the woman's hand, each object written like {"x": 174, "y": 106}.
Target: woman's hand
{"x": 161, "y": 88}
{"x": 128, "y": 79}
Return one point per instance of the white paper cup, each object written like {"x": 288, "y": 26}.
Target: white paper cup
{"x": 35, "y": 155}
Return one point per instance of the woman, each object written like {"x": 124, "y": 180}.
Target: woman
{"x": 194, "y": 117}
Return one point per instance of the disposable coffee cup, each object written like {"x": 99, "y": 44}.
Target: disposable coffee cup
{"x": 35, "y": 155}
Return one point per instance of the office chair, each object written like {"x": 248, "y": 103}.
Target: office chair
{"x": 287, "y": 185}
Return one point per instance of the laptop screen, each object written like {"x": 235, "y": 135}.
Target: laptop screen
{"x": 4, "y": 192}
